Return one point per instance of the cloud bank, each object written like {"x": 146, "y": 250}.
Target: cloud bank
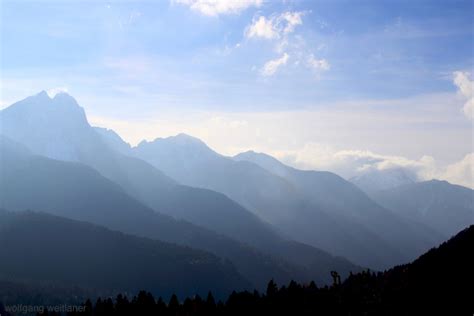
{"x": 350, "y": 163}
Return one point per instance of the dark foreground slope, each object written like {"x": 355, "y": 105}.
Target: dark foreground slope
{"x": 45, "y": 248}
{"x": 437, "y": 283}
{"x": 443, "y": 276}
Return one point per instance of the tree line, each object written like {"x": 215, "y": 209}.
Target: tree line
{"x": 365, "y": 293}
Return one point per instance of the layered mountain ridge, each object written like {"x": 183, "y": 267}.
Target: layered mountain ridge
{"x": 317, "y": 208}
{"x": 267, "y": 219}
{"x": 103, "y": 186}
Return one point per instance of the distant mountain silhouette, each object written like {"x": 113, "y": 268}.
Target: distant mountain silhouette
{"x": 46, "y": 248}
{"x": 103, "y": 150}
{"x": 50, "y": 127}
{"x": 353, "y": 210}
{"x": 113, "y": 140}
{"x": 318, "y": 208}
{"x": 181, "y": 174}
{"x": 76, "y": 191}
{"x": 374, "y": 181}
{"x": 249, "y": 218}
{"x": 190, "y": 161}
{"x": 445, "y": 207}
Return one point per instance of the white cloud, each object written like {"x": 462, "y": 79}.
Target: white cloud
{"x": 349, "y": 163}
{"x": 466, "y": 89}
{"x": 468, "y": 108}
{"x": 292, "y": 20}
{"x": 465, "y": 85}
{"x": 262, "y": 27}
{"x": 318, "y": 64}
{"x": 216, "y": 7}
{"x": 272, "y": 66}
{"x": 274, "y": 27}
{"x": 461, "y": 172}
{"x": 279, "y": 28}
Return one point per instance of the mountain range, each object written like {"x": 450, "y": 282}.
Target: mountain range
{"x": 76, "y": 191}
{"x": 255, "y": 217}
{"x": 373, "y": 181}
{"x": 317, "y": 208}
{"x": 102, "y": 186}
{"x": 438, "y": 204}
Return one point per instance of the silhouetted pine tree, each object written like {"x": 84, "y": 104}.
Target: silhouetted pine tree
{"x": 173, "y": 305}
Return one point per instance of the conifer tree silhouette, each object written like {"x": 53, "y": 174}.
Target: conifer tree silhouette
{"x": 272, "y": 288}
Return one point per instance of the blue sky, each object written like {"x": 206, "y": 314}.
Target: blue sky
{"x": 302, "y": 80}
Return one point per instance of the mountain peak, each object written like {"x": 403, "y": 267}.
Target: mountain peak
{"x": 263, "y": 160}
{"x": 248, "y": 153}
{"x": 376, "y": 180}
{"x": 181, "y": 140}
{"x": 64, "y": 97}
{"x": 437, "y": 181}
{"x": 43, "y": 102}
{"x": 61, "y": 96}
{"x": 182, "y": 146}
{"x": 42, "y": 94}
{"x": 258, "y": 158}
{"x": 254, "y": 154}
{"x": 185, "y": 139}
{"x": 48, "y": 126}
{"x": 40, "y": 97}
